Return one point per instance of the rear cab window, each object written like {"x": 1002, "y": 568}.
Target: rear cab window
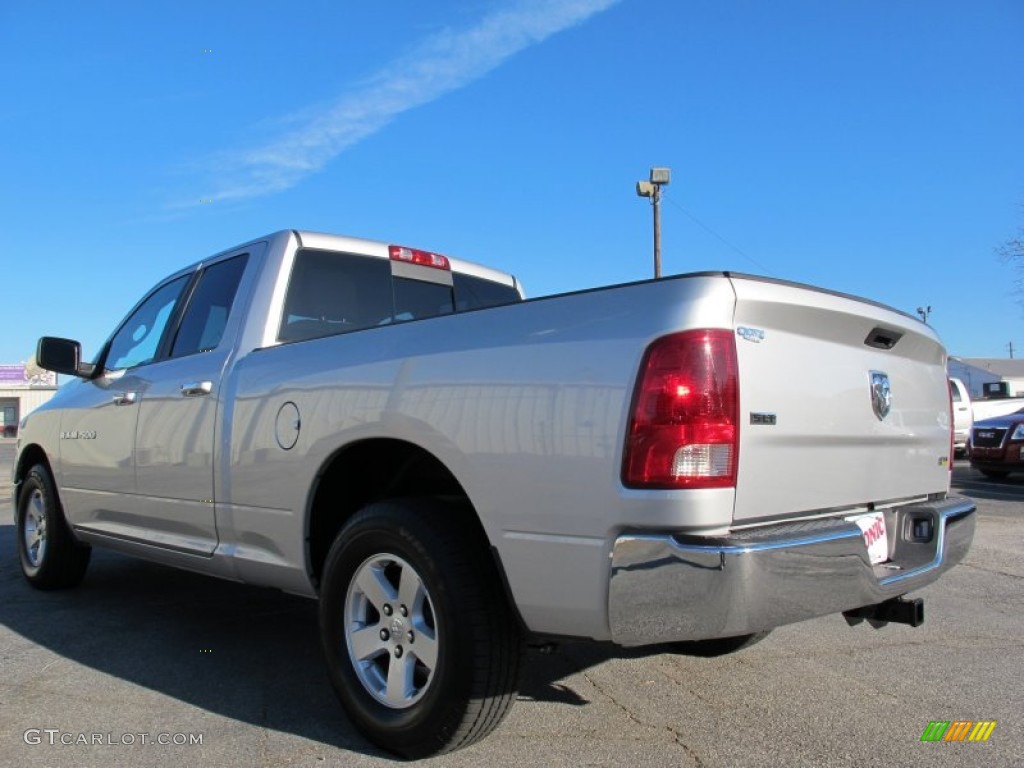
{"x": 330, "y": 292}
{"x": 473, "y": 292}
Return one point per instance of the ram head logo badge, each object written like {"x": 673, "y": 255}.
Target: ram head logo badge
{"x": 881, "y": 394}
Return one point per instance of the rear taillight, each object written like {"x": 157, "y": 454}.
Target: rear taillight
{"x": 416, "y": 256}
{"x": 684, "y": 428}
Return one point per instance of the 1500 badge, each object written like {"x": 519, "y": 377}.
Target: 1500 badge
{"x": 85, "y": 434}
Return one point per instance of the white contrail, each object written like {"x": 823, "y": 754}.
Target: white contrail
{"x": 439, "y": 65}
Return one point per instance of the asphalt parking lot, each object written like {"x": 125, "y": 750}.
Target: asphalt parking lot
{"x": 140, "y": 649}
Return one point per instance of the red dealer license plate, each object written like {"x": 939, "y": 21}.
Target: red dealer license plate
{"x": 872, "y": 528}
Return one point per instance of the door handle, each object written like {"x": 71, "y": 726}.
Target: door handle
{"x": 125, "y": 398}
{"x": 197, "y": 389}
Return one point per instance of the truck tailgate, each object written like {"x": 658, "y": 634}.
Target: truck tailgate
{"x": 811, "y": 439}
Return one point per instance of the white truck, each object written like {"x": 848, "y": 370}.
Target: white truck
{"x": 454, "y": 472}
{"x": 966, "y": 411}
{"x": 990, "y": 407}
{"x": 963, "y": 415}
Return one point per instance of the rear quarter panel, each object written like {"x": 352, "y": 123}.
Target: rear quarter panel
{"x": 525, "y": 404}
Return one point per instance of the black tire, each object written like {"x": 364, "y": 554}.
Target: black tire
{"x": 50, "y": 556}
{"x": 719, "y": 646}
{"x": 994, "y": 474}
{"x": 460, "y": 682}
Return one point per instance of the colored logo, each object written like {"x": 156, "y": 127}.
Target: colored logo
{"x": 958, "y": 730}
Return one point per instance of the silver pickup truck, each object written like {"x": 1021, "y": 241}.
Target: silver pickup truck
{"x": 454, "y": 472}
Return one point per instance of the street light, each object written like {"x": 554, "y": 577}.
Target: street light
{"x": 652, "y": 189}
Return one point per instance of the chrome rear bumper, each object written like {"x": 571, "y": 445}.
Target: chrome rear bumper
{"x": 668, "y": 587}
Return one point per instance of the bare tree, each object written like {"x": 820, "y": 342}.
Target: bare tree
{"x": 1012, "y": 252}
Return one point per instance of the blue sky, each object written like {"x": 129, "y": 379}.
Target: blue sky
{"x": 864, "y": 146}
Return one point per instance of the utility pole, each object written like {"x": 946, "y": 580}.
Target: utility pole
{"x": 1010, "y": 345}
{"x": 652, "y": 189}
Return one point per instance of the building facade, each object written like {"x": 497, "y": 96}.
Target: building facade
{"x": 975, "y": 372}
{"x": 23, "y": 388}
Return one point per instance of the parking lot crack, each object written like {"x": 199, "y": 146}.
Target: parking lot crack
{"x": 676, "y": 736}
{"x": 613, "y": 700}
{"x": 690, "y": 691}
{"x": 992, "y": 570}
{"x": 690, "y": 751}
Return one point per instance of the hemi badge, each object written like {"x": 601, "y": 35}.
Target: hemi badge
{"x": 755, "y": 335}
{"x": 765, "y": 419}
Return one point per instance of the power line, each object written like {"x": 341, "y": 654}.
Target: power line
{"x": 712, "y": 232}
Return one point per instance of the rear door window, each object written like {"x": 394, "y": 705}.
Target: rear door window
{"x": 207, "y": 315}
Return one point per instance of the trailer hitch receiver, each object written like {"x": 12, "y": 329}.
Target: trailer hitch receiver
{"x": 896, "y": 610}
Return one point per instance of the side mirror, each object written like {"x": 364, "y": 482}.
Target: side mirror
{"x": 62, "y": 356}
